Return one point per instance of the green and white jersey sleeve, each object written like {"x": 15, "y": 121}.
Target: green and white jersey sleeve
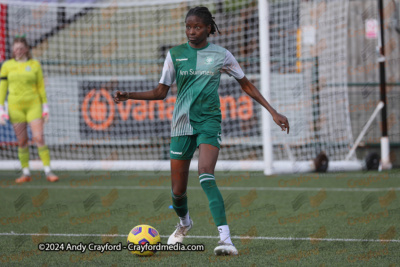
{"x": 197, "y": 73}
{"x": 168, "y": 73}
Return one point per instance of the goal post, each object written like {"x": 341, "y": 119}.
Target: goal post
{"x": 293, "y": 51}
{"x": 307, "y": 81}
{"x": 263, "y": 11}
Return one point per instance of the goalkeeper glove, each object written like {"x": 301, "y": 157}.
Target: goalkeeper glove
{"x": 3, "y": 116}
{"x": 45, "y": 112}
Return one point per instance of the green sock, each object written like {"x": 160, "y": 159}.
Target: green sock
{"x": 23, "y": 155}
{"x": 215, "y": 200}
{"x": 180, "y": 204}
{"x": 44, "y": 155}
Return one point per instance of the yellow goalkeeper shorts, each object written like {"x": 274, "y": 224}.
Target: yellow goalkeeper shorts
{"x": 24, "y": 111}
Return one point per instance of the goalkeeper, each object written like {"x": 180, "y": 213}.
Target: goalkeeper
{"x": 27, "y": 104}
{"x": 196, "y": 67}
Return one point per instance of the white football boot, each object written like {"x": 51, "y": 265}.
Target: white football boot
{"x": 180, "y": 232}
{"x": 224, "y": 249}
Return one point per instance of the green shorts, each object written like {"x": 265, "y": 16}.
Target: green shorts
{"x": 183, "y": 147}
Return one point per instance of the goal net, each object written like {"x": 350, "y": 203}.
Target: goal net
{"x": 90, "y": 49}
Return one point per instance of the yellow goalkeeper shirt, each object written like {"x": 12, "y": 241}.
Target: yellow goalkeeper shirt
{"x": 24, "y": 81}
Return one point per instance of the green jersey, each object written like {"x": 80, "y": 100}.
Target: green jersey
{"x": 197, "y": 73}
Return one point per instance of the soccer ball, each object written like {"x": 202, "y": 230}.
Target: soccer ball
{"x": 142, "y": 234}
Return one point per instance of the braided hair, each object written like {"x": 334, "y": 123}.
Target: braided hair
{"x": 205, "y": 15}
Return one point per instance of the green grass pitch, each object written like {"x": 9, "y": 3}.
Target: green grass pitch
{"x": 335, "y": 219}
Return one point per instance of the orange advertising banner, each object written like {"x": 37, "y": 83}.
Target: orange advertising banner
{"x": 142, "y": 119}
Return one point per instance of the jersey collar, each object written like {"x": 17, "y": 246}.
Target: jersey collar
{"x": 208, "y": 44}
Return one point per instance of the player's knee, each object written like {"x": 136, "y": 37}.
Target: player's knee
{"x": 178, "y": 191}
{"x": 39, "y": 140}
{"x": 23, "y": 143}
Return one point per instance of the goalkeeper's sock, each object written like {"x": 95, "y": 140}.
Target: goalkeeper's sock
{"x": 215, "y": 200}
{"x": 26, "y": 172}
{"x": 44, "y": 155}
{"x": 179, "y": 203}
{"x": 23, "y": 155}
{"x": 224, "y": 234}
{"x": 47, "y": 170}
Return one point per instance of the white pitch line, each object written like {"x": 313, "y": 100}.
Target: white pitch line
{"x": 227, "y": 188}
{"x": 214, "y": 237}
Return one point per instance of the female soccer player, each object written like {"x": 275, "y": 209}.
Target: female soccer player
{"x": 196, "y": 66}
{"x": 27, "y": 104}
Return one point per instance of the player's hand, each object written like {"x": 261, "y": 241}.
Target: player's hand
{"x": 45, "y": 117}
{"x": 3, "y": 119}
{"x": 45, "y": 113}
{"x": 282, "y": 121}
{"x": 3, "y": 116}
{"x": 121, "y": 96}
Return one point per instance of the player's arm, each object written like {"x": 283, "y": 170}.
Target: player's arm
{"x": 252, "y": 91}
{"x": 3, "y": 94}
{"x": 232, "y": 68}
{"x": 3, "y": 84}
{"x": 158, "y": 93}
{"x": 42, "y": 92}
